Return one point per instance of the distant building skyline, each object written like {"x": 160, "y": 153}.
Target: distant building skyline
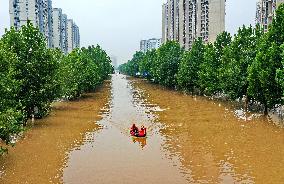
{"x": 59, "y": 32}
{"x": 39, "y": 13}
{"x": 114, "y": 61}
{"x": 121, "y": 37}
{"x": 153, "y": 43}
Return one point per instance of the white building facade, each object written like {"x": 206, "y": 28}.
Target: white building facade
{"x": 186, "y": 20}
{"x": 73, "y": 35}
{"x": 146, "y": 45}
{"x": 265, "y": 12}
{"x": 38, "y": 12}
{"x": 52, "y": 23}
{"x": 57, "y": 28}
{"x": 23, "y": 10}
{"x": 70, "y": 35}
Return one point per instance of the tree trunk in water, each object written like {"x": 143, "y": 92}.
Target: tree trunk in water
{"x": 265, "y": 110}
{"x": 246, "y": 103}
{"x": 33, "y": 119}
{"x": 25, "y": 122}
{"x": 32, "y": 114}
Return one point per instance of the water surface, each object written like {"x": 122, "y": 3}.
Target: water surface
{"x": 112, "y": 156}
{"x": 190, "y": 140}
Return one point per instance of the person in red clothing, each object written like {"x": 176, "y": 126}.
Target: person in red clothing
{"x": 134, "y": 129}
{"x": 142, "y": 132}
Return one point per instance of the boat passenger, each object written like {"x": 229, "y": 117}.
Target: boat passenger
{"x": 142, "y": 128}
{"x": 134, "y": 128}
{"x": 142, "y": 132}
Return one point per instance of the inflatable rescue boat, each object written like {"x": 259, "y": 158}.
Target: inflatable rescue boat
{"x": 138, "y": 133}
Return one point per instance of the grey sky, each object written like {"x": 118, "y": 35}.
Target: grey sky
{"x": 119, "y": 25}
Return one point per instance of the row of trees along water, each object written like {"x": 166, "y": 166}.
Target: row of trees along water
{"x": 249, "y": 65}
{"x": 33, "y": 76}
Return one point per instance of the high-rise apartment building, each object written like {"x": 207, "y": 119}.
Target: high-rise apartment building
{"x": 69, "y": 35}
{"x": 186, "y": 20}
{"x": 61, "y": 32}
{"x": 38, "y": 12}
{"x": 73, "y": 36}
{"x": 23, "y": 10}
{"x": 150, "y": 44}
{"x": 64, "y": 34}
{"x": 76, "y": 36}
{"x": 49, "y": 23}
{"x": 57, "y": 28}
{"x": 52, "y": 23}
{"x": 265, "y": 12}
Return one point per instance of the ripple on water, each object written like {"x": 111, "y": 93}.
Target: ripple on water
{"x": 216, "y": 143}
{"x": 115, "y": 153}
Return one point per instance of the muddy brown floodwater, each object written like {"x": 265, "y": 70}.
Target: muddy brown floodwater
{"x": 190, "y": 140}
{"x": 40, "y": 156}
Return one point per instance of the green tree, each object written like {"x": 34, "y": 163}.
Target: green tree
{"x": 167, "y": 63}
{"x": 70, "y": 75}
{"x": 208, "y": 72}
{"x": 222, "y": 43}
{"x": 280, "y": 71}
{"x": 160, "y": 65}
{"x": 263, "y": 86}
{"x": 236, "y": 60}
{"x": 83, "y": 70}
{"x": 10, "y": 115}
{"x": 266, "y": 72}
{"x": 132, "y": 66}
{"x": 147, "y": 63}
{"x": 9, "y": 86}
{"x": 223, "y": 40}
{"x": 36, "y": 68}
{"x": 188, "y": 78}
{"x": 33, "y": 76}
{"x": 276, "y": 30}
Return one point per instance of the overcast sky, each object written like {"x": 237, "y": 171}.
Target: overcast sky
{"x": 119, "y": 25}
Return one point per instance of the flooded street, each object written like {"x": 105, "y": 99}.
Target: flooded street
{"x": 112, "y": 156}
{"x": 40, "y": 156}
{"x": 190, "y": 140}
{"x": 215, "y": 143}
